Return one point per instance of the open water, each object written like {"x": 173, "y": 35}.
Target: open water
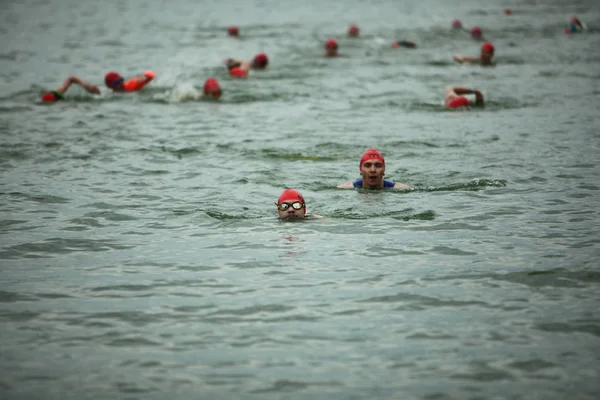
{"x": 141, "y": 256}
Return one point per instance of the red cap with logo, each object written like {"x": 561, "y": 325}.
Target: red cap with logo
{"x": 371, "y": 154}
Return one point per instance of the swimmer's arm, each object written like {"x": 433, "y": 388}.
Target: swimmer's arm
{"x": 146, "y": 77}
{"x": 399, "y": 185}
{"x": 232, "y": 63}
{"x": 347, "y": 185}
{"x": 465, "y": 59}
{"x": 90, "y": 88}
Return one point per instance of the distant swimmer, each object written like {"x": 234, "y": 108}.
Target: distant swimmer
{"x": 117, "y": 83}
{"x": 456, "y": 24}
{"x": 454, "y": 97}
{"x": 372, "y": 171}
{"x": 239, "y": 68}
{"x": 485, "y": 57}
{"x": 212, "y": 88}
{"x": 331, "y": 48}
{"x": 575, "y": 26}
{"x": 404, "y": 43}
{"x": 59, "y": 93}
{"x": 477, "y": 33}
{"x": 233, "y": 31}
{"x": 353, "y": 31}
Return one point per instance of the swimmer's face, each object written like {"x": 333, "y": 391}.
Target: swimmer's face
{"x": 331, "y": 51}
{"x": 372, "y": 172}
{"x": 117, "y": 85}
{"x": 486, "y": 57}
{"x": 291, "y": 209}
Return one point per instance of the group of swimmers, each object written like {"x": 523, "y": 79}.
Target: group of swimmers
{"x": 240, "y": 68}
{"x": 291, "y": 204}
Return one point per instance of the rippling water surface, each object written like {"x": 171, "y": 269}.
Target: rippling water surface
{"x": 140, "y": 252}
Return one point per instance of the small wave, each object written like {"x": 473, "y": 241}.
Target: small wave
{"x": 474, "y": 185}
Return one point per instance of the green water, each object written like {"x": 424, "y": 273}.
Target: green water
{"x": 140, "y": 252}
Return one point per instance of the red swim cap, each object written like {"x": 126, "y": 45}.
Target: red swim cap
{"x": 488, "y": 48}
{"x": 260, "y": 60}
{"x": 49, "y": 97}
{"x": 111, "y": 77}
{"x": 291, "y": 195}
{"x": 371, "y": 154}
{"x": 212, "y": 88}
{"x": 353, "y": 30}
{"x": 456, "y": 24}
{"x": 507, "y": 11}
{"x": 460, "y": 101}
{"x": 331, "y": 44}
{"x": 233, "y": 31}
{"x": 238, "y": 72}
{"x": 476, "y": 32}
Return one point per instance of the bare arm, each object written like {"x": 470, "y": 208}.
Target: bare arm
{"x": 232, "y": 63}
{"x": 146, "y": 77}
{"x": 90, "y": 88}
{"x": 347, "y": 185}
{"x": 465, "y": 59}
{"x": 399, "y": 185}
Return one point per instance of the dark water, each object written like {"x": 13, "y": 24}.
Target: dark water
{"x": 140, "y": 252}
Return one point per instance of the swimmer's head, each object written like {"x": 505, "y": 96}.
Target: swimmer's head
{"x": 260, "y": 61}
{"x": 238, "y": 72}
{"x": 212, "y": 88}
{"x": 233, "y": 31}
{"x": 507, "y": 11}
{"x": 488, "y": 49}
{"x": 371, "y": 154}
{"x": 49, "y": 97}
{"x": 353, "y": 30}
{"x": 113, "y": 80}
{"x": 459, "y": 101}
{"x": 291, "y": 204}
{"x": 457, "y": 24}
{"x": 476, "y": 32}
{"x": 331, "y": 48}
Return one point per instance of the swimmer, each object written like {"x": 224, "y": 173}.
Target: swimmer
{"x": 456, "y": 24}
{"x": 575, "y": 26}
{"x": 372, "y": 171}
{"x": 116, "y": 83}
{"x": 233, "y": 31}
{"x": 485, "y": 57}
{"x": 404, "y": 43}
{"x": 453, "y": 98}
{"x": 291, "y": 206}
{"x": 212, "y": 88}
{"x": 260, "y": 61}
{"x": 331, "y": 48}
{"x": 353, "y": 31}
{"x": 59, "y": 93}
{"x": 477, "y": 33}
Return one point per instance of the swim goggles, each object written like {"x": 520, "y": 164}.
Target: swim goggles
{"x": 296, "y": 205}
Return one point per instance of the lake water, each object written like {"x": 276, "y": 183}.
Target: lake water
{"x": 141, "y": 256}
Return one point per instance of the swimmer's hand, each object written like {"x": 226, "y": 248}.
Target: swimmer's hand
{"x": 458, "y": 58}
